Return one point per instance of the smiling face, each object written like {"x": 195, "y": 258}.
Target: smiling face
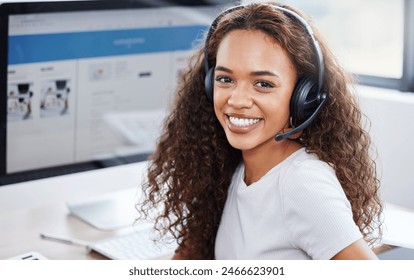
{"x": 253, "y": 83}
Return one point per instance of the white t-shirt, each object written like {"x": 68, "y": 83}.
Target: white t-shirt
{"x": 297, "y": 210}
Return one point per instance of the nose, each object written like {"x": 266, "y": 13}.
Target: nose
{"x": 240, "y": 98}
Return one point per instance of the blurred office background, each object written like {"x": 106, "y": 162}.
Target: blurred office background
{"x": 367, "y": 36}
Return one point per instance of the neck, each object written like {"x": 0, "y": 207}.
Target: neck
{"x": 260, "y": 160}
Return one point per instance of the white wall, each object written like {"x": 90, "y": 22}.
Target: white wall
{"x": 392, "y": 118}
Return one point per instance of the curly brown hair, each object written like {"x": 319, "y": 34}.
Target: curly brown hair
{"x": 192, "y": 166}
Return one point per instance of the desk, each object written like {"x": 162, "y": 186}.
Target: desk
{"x": 20, "y": 232}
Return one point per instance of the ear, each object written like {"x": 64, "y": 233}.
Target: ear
{"x": 291, "y": 127}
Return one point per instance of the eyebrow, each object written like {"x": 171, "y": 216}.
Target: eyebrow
{"x": 254, "y": 73}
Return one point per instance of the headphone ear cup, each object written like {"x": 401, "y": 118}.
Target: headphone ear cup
{"x": 304, "y": 100}
{"x": 209, "y": 84}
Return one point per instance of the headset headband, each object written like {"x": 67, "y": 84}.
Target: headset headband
{"x": 308, "y": 28}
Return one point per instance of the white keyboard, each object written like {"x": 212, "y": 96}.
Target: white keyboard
{"x": 132, "y": 246}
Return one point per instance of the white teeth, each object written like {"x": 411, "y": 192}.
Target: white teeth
{"x": 243, "y": 121}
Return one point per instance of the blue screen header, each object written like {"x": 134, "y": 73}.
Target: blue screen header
{"x": 66, "y": 46}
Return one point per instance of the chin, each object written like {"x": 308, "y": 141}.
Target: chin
{"x": 243, "y": 144}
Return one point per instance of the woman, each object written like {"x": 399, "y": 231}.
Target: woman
{"x": 271, "y": 163}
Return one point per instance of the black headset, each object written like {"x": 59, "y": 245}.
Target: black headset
{"x": 308, "y": 97}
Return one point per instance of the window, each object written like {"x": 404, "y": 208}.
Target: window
{"x": 373, "y": 39}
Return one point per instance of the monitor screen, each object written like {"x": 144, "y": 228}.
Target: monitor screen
{"x": 88, "y": 84}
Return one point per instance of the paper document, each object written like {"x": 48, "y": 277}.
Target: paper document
{"x": 398, "y": 226}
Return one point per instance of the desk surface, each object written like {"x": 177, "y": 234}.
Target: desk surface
{"x": 21, "y": 229}
{"x": 20, "y": 233}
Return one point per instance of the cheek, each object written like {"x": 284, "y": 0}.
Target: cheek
{"x": 277, "y": 113}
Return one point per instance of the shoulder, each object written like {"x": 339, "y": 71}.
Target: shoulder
{"x": 317, "y": 212}
{"x": 305, "y": 169}
{"x": 309, "y": 180}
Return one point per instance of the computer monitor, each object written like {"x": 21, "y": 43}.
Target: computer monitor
{"x": 86, "y": 84}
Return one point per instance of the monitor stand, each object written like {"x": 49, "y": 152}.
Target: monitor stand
{"x": 108, "y": 212}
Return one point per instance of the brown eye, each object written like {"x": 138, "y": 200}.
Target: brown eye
{"x": 224, "y": 80}
{"x": 265, "y": 85}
